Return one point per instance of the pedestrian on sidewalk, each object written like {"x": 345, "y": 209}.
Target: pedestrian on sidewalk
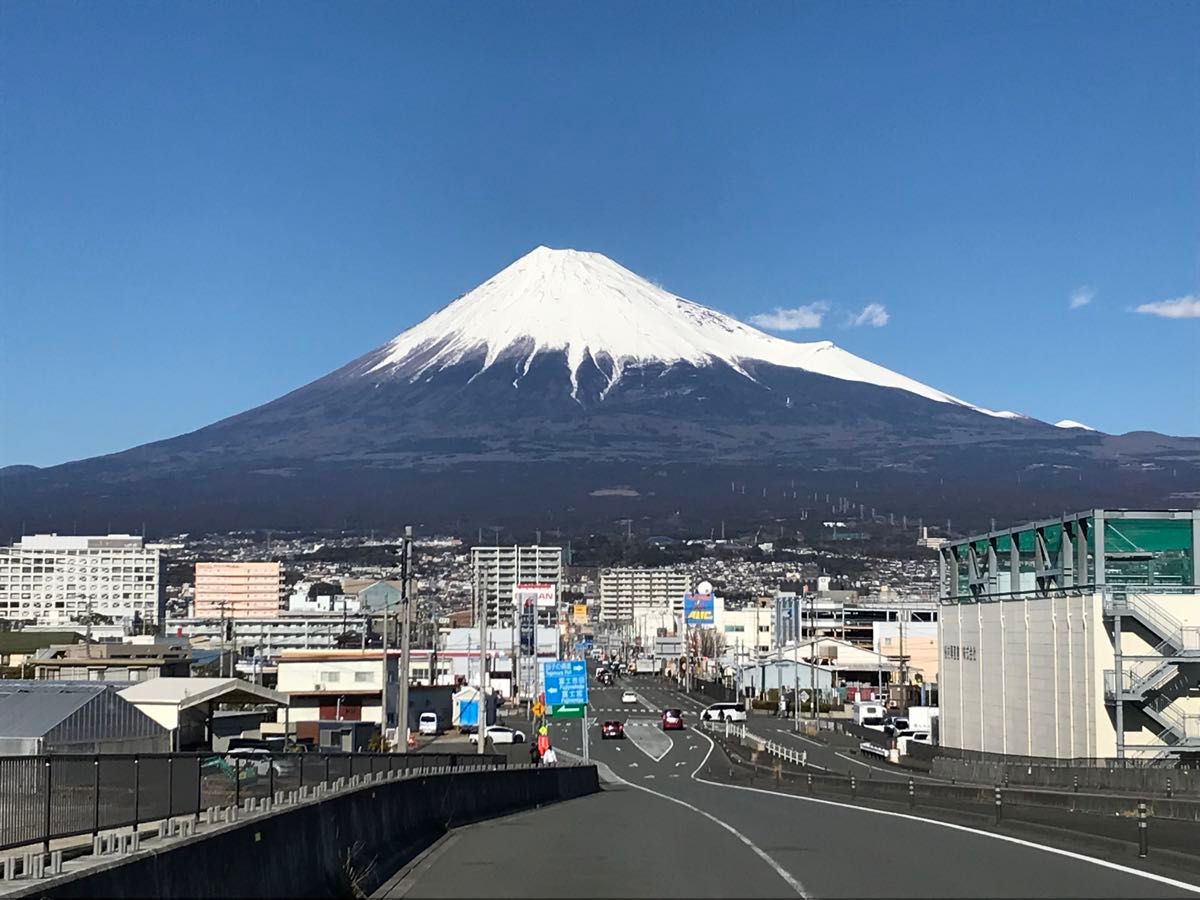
{"x": 550, "y": 758}
{"x": 535, "y": 757}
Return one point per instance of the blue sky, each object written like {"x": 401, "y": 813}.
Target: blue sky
{"x": 207, "y": 205}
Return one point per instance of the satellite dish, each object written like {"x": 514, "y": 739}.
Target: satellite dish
{"x": 704, "y": 588}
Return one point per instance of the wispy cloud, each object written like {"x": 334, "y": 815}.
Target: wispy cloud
{"x": 873, "y": 314}
{"x": 1082, "y": 297}
{"x": 779, "y": 319}
{"x": 1180, "y": 308}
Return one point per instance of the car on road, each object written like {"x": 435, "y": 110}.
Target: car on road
{"x": 893, "y": 725}
{"x": 629, "y": 697}
{"x": 500, "y": 734}
{"x": 612, "y": 729}
{"x": 724, "y": 712}
{"x": 427, "y": 723}
{"x": 672, "y": 719}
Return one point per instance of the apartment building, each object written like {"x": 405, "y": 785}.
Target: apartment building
{"x": 237, "y": 590}
{"x": 48, "y": 579}
{"x": 627, "y": 595}
{"x": 498, "y": 570}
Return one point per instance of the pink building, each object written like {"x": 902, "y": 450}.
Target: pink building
{"x": 238, "y": 590}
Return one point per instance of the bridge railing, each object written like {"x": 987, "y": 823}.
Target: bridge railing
{"x": 47, "y": 797}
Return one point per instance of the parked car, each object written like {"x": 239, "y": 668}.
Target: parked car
{"x": 427, "y": 723}
{"x": 259, "y": 761}
{"x": 612, "y": 729}
{"x": 724, "y": 712}
{"x": 500, "y": 734}
{"x": 672, "y": 719}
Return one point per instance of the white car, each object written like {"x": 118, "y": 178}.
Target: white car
{"x": 500, "y": 734}
{"x": 428, "y": 723}
{"x": 629, "y": 697}
{"x": 724, "y": 712}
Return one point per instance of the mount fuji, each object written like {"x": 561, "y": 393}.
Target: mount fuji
{"x": 567, "y": 390}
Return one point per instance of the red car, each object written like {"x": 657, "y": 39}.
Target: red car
{"x": 672, "y": 719}
{"x": 612, "y": 730}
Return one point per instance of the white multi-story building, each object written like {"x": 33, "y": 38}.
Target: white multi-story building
{"x": 51, "y": 580}
{"x": 268, "y": 636}
{"x": 630, "y": 595}
{"x": 498, "y": 570}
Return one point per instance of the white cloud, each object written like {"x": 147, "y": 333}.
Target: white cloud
{"x": 873, "y": 314}
{"x": 1082, "y": 297}
{"x": 1180, "y": 308}
{"x": 779, "y": 319}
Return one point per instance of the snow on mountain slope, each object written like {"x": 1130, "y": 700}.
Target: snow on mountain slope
{"x": 586, "y": 305}
{"x": 1071, "y": 423}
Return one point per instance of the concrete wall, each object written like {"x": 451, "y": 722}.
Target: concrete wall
{"x": 1026, "y": 677}
{"x": 309, "y": 850}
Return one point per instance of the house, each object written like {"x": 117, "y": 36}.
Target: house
{"x": 113, "y": 662}
{"x": 19, "y": 647}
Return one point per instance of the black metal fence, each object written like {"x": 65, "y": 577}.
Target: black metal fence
{"x": 62, "y": 795}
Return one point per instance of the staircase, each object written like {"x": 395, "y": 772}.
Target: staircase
{"x": 1153, "y": 685}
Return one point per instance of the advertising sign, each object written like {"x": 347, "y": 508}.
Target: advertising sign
{"x": 580, "y": 614}
{"x": 543, "y": 595}
{"x": 698, "y": 610}
{"x": 527, "y": 627}
{"x": 668, "y": 647}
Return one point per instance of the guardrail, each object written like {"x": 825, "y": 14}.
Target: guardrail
{"x": 44, "y": 798}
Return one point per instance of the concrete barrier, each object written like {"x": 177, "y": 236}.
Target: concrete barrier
{"x": 339, "y": 845}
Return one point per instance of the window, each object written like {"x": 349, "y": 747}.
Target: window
{"x": 364, "y": 676}
{"x": 330, "y": 677}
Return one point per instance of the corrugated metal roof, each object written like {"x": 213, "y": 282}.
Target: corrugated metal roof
{"x": 26, "y": 713}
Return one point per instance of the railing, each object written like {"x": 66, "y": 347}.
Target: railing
{"x": 1175, "y": 636}
{"x": 43, "y": 798}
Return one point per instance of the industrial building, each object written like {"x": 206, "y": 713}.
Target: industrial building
{"x": 498, "y": 570}
{"x": 49, "y": 579}
{"x": 237, "y": 590}
{"x": 73, "y": 717}
{"x": 629, "y": 595}
{"x": 1077, "y": 636}
{"x": 798, "y": 616}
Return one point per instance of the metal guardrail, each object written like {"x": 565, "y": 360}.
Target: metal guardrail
{"x": 44, "y": 798}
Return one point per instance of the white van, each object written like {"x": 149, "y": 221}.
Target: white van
{"x": 724, "y": 712}
{"x": 428, "y": 723}
{"x": 869, "y": 714}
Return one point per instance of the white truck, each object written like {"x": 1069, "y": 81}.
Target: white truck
{"x": 921, "y": 718}
{"x": 645, "y": 666}
{"x": 869, "y": 715}
{"x": 914, "y": 737}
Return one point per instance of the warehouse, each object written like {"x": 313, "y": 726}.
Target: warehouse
{"x": 1074, "y": 637}
{"x": 73, "y": 717}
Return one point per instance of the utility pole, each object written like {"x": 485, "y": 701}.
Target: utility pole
{"x": 483, "y": 673}
{"x": 383, "y": 697}
{"x": 406, "y": 579}
{"x": 812, "y": 656}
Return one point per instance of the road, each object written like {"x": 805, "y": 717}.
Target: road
{"x": 660, "y": 828}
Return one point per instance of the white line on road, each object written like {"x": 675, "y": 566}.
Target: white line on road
{"x": 762, "y": 854}
{"x": 1161, "y": 879}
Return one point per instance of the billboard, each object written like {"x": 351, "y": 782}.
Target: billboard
{"x": 668, "y": 647}
{"x": 580, "y": 614}
{"x": 542, "y": 595}
{"x": 698, "y": 610}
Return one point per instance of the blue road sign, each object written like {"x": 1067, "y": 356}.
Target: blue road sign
{"x": 566, "y": 683}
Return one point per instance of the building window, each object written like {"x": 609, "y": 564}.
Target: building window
{"x": 330, "y": 677}
{"x": 364, "y": 676}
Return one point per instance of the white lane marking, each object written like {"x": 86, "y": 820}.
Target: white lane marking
{"x": 647, "y": 776}
{"x": 762, "y": 854}
{"x": 1104, "y": 863}
{"x": 670, "y": 747}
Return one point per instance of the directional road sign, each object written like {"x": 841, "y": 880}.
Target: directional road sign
{"x": 566, "y": 683}
{"x": 568, "y": 711}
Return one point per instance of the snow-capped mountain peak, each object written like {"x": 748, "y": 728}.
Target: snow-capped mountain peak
{"x": 1071, "y": 423}
{"x": 587, "y": 306}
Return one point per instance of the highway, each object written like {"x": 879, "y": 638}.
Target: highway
{"x": 660, "y": 828}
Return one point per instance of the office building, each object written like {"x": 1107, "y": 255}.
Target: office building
{"x": 498, "y": 570}
{"x": 48, "y": 579}
{"x": 627, "y": 595}
{"x": 238, "y": 590}
{"x": 1076, "y": 636}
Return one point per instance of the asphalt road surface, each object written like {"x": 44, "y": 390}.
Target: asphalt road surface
{"x": 660, "y": 829}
